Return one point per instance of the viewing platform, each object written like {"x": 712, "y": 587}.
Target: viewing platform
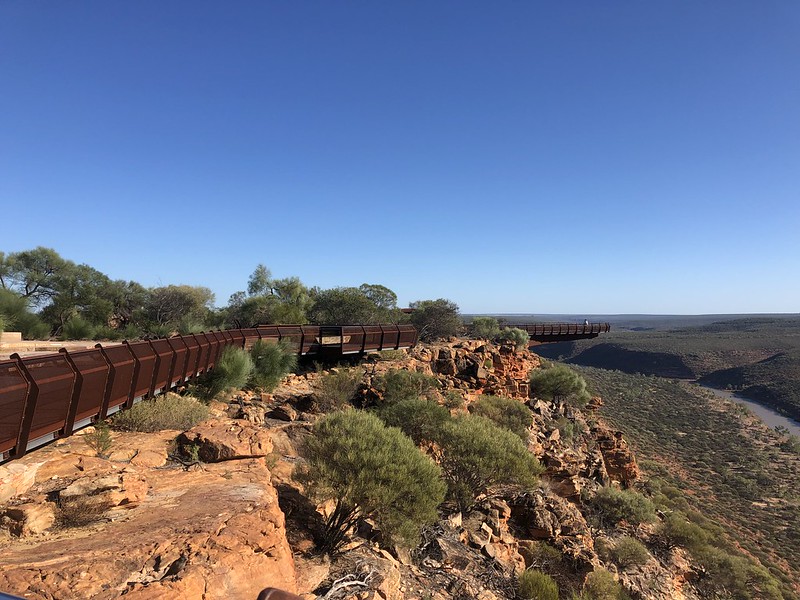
{"x": 548, "y": 333}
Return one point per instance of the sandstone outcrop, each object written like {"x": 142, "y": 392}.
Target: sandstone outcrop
{"x": 215, "y": 532}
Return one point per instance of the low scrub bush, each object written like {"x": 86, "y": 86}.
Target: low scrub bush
{"x": 232, "y": 371}
{"x": 169, "y": 411}
{"x": 601, "y": 585}
{"x": 419, "y": 419}
{"x": 484, "y": 328}
{"x": 399, "y": 384}
{"x": 335, "y": 390}
{"x": 108, "y": 333}
{"x": 370, "y": 470}
{"x": 80, "y": 511}
{"x": 99, "y": 440}
{"x": 680, "y": 531}
{"x": 453, "y": 400}
{"x": 568, "y": 429}
{"x": 391, "y": 355}
{"x": 77, "y": 329}
{"x": 535, "y": 585}
{"x": 616, "y": 505}
{"x": 515, "y": 335}
{"x": 541, "y": 555}
{"x": 510, "y": 414}
{"x": 271, "y": 363}
{"x": 16, "y": 314}
{"x": 476, "y": 454}
{"x": 559, "y": 383}
{"x": 629, "y": 552}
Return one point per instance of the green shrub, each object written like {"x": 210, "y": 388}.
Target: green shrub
{"x": 477, "y": 454}
{"x": 541, "y": 554}
{"x": 391, "y": 355}
{"x": 187, "y": 326}
{"x": 629, "y": 552}
{"x": 335, "y": 390}
{"x": 535, "y": 585}
{"x": 510, "y": 414}
{"x": 77, "y": 329}
{"x": 601, "y": 585}
{"x": 560, "y": 383}
{"x": 370, "y": 470}
{"x": 99, "y": 440}
{"x": 232, "y": 371}
{"x": 4, "y": 322}
{"x": 271, "y": 363}
{"x": 617, "y": 505}
{"x": 453, "y": 400}
{"x": 568, "y": 429}
{"x": 519, "y": 337}
{"x": 108, "y": 333}
{"x": 484, "y": 328}
{"x": 419, "y": 419}
{"x": 680, "y": 531}
{"x": 16, "y": 314}
{"x": 169, "y": 411}
{"x": 399, "y": 384}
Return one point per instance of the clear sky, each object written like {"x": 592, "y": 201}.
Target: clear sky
{"x": 538, "y": 157}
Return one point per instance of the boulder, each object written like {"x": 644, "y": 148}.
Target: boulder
{"x": 219, "y": 440}
{"x": 16, "y": 478}
{"x": 29, "y": 519}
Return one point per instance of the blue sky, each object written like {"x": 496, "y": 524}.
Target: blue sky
{"x": 582, "y": 157}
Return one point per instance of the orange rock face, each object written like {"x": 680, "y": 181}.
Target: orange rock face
{"x": 213, "y": 533}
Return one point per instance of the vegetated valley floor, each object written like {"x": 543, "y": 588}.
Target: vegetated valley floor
{"x": 728, "y": 464}
{"x": 759, "y": 356}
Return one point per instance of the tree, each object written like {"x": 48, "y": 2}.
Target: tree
{"x": 559, "y": 383}
{"x": 168, "y": 305}
{"x": 342, "y": 306}
{"x": 476, "y": 454}
{"x": 374, "y": 471}
{"x": 33, "y": 274}
{"x": 260, "y": 282}
{"x": 435, "y": 319}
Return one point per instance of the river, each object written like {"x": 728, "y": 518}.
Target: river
{"x": 769, "y": 416}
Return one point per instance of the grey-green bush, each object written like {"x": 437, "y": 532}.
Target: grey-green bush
{"x": 335, "y": 390}
{"x": 616, "y": 505}
{"x": 477, "y": 454}
{"x": 169, "y": 411}
{"x": 370, "y": 470}
{"x": 601, "y": 585}
{"x": 484, "y": 328}
{"x": 399, "y": 384}
{"x": 232, "y": 371}
{"x": 535, "y": 585}
{"x": 271, "y": 363}
{"x": 629, "y": 552}
{"x": 519, "y": 337}
{"x": 511, "y": 414}
{"x": 77, "y": 329}
{"x": 419, "y": 419}
{"x": 559, "y": 382}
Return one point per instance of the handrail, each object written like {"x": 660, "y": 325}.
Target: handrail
{"x": 48, "y": 396}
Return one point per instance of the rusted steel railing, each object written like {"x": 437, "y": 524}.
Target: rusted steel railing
{"x": 548, "y": 333}
{"x": 47, "y": 397}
